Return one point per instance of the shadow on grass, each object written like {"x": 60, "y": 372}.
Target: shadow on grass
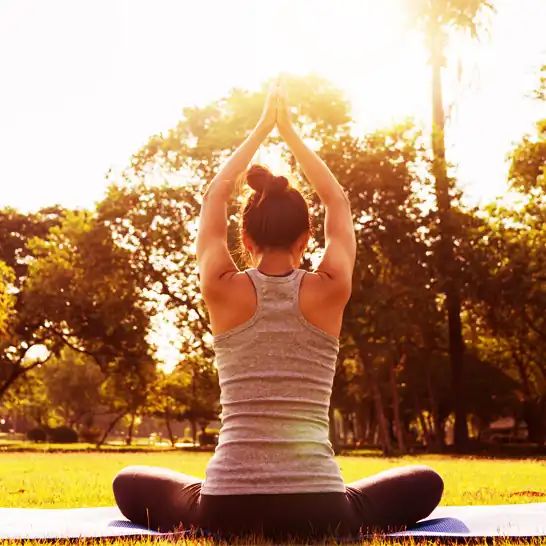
{"x": 476, "y": 451}
{"x": 32, "y": 447}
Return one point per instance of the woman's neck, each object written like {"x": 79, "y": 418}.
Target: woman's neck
{"x": 276, "y": 263}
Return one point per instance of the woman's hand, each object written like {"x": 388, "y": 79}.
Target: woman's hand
{"x": 284, "y": 122}
{"x": 269, "y": 114}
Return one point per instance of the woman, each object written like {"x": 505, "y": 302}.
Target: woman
{"x": 276, "y": 330}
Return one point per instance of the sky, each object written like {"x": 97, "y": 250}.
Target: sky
{"x": 85, "y": 83}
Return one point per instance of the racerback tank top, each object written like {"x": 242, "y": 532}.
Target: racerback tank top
{"x": 276, "y": 373}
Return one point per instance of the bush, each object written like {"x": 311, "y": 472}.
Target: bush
{"x": 90, "y": 435}
{"x": 37, "y": 434}
{"x": 207, "y": 438}
{"x": 62, "y": 435}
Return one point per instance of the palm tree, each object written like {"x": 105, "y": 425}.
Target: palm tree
{"x": 437, "y": 19}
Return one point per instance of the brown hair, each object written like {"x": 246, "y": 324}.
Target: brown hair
{"x": 275, "y": 213}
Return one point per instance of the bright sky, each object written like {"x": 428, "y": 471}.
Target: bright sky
{"x": 85, "y": 83}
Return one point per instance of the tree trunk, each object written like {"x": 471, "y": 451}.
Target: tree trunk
{"x": 380, "y": 413}
{"x": 396, "y": 409}
{"x": 446, "y": 261}
{"x": 18, "y": 371}
{"x": 353, "y": 428}
{"x": 372, "y": 422}
{"x": 438, "y": 430}
{"x": 172, "y": 439}
{"x": 424, "y": 426}
{"x": 109, "y": 429}
{"x": 365, "y": 418}
{"x": 129, "y": 439}
{"x": 456, "y": 353}
{"x": 193, "y": 426}
{"x": 524, "y": 376}
{"x": 533, "y": 417}
{"x": 531, "y": 408}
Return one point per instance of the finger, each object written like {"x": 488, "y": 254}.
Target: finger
{"x": 282, "y": 97}
{"x": 282, "y": 85}
{"x": 274, "y": 87}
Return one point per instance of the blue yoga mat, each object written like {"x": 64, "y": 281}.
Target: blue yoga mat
{"x": 519, "y": 520}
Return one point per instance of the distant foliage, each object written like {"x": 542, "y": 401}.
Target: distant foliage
{"x": 89, "y": 435}
{"x": 207, "y": 438}
{"x": 62, "y": 435}
{"x": 37, "y": 434}
{"x": 90, "y": 285}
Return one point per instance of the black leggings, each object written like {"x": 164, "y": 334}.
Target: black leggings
{"x": 166, "y": 500}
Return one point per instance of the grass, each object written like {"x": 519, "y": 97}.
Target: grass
{"x": 65, "y": 480}
{"x": 14, "y": 446}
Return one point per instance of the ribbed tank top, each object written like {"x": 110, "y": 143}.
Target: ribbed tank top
{"x": 276, "y": 373}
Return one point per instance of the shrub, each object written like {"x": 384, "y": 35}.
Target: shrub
{"x": 207, "y": 438}
{"x": 90, "y": 435}
{"x": 37, "y": 434}
{"x": 62, "y": 435}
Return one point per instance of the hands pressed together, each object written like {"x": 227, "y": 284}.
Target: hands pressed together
{"x": 275, "y": 112}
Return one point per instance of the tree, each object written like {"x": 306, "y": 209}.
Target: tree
{"x": 20, "y": 331}
{"x": 203, "y": 395}
{"x": 62, "y": 391}
{"x": 436, "y": 18}
{"x": 82, "y": 287}
{"x": 17, "y": 229}
{"x": 72, "y": 382}
{"x": 393, "y": 306}
{"x": 506, "y": 286}
{"x": 127, "y": 393}
{"x": 191, "y": 392}
{"x": 7, "y": 299}
{"x": 169, "y": 399}
{"x": 540, "y": 91}
{"x": 21, "y": 336}
{"x": 512, "y": 285}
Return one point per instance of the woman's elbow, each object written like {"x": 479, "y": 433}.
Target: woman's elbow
{"x": 338, "y": 201}
{"x": 216, "y": 192}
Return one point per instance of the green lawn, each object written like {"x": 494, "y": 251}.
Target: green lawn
{"x": 44, "y": 480}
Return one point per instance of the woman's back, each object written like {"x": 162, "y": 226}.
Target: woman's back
{"x": 273, "y": 472}
{"x": 276, "y": 372}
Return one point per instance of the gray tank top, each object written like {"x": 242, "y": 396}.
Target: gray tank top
{"x": 276, "y": 373}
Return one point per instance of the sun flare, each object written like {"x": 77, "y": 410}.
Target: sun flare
{"x": 363, "y": 47}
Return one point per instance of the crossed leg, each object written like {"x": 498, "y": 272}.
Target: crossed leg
{"x": 395, "y": 498}
{"x": 157, "y": 498}
{"x": 162, "y": 499}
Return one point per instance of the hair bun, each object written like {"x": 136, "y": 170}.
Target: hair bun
{"x": 263, "y": 181}
{"x": 278, "y": 184}
{"x": 258, "y": 177}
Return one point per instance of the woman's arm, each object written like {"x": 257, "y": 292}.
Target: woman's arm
{"x": 213, "y": 257}
{"x": 340, "y": 252}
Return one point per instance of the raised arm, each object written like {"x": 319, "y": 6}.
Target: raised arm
{"x": 340, "y": 252}
{"x": 213, "y": 257}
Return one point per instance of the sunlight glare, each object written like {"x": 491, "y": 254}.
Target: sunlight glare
{"x": 361, "y": 46}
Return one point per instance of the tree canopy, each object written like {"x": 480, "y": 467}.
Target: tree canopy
{"x": 93, "y": 288}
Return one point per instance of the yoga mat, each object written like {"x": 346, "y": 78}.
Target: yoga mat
{"x": 519, "y": 520}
